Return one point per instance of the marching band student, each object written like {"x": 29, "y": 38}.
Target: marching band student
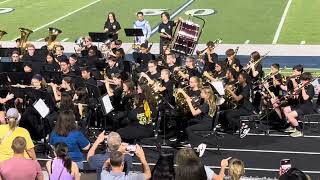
{"x": 112, "y": 26}
{"x": 203, "y": 115}
{"x": 143, "y": 56}
{"x": 241, "y": 96}
{"x": 166, "y": 30}
{"x": 210, "y": 57}
{"x": 143, "y": 24}
{"x": 232, "y": 61}
{"x": 305, "y": 94}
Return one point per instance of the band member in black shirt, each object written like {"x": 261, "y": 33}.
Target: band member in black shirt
{"x": 231, "y": 76}
{"x": 165, "y": 30}
{"x": 202, "y": 115}
{"x": 152, "y": 73}
{"x": 86, "y": 75}
{"x": 143, "y": 56}
{"x": 219, "y": 72}
{"x": 191, "y": 68}
{"x": 232, "y": 61}
{"x": 242, "y": 97}
{"x": 65, "y": 68}
{"x": 166, "y": 88}
{"x": 210, "y": 57}
{"x": 171, "y": 61}
{"x": 112, "y": 26}
{"x": 305, "y": 94}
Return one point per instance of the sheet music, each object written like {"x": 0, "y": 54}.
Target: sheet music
{"x": 218, "y": 86}
{"x": 316, "y": 85}
{"x": 107, "y": 104}
{"x": 42, "y": 108}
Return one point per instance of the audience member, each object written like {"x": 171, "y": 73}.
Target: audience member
{"x": 96, "y": 161}
{"x": 164, "y": 168}
{"x": 62, "y": 166}
{"x": 18, "y": 167}
{"x": 9, "y": 131}
{"x": 116, "y": 162}
{"x": 66, "y": 131}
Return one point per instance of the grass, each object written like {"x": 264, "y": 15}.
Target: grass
{"x": 302, "y": 23}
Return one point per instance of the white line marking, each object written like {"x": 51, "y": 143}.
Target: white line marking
{"x": 4, "y": 1}
{"x": 65, "y": 39}
{"x": 283, "y": 18}
{"x": 62, "y": 17}
{"x": 247, "y": 41}
{"x": 40, "y": 39}
{"x": 266, "y": 151}
{"x": 303, "y": 42}
{"x": 174, "y": 14}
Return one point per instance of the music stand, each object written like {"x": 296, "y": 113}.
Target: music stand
{"x": 99, "y": 36}
{"x": 132, "y": 32}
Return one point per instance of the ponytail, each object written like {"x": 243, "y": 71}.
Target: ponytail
{"x": 12, "y": 122}
{"x": 61, "y": 150}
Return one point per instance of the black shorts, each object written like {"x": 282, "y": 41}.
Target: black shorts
{"x": 303, "y": 109}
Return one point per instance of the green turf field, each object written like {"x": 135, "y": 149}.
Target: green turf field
{"x": 235, "y": 21}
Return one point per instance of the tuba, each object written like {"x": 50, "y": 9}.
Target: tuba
{"x": 2, "y": 33}
{"x": 25, "y": 33}
{"x": 53, "y": 34}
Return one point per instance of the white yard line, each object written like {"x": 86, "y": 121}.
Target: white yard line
{"x": 65, "y": 39}
{"x": 303, "y": 42}
{"x": 40, "y": 39}
{"x": 283, "y": 18}
{"x": 4, "y": 1}
{"x": 62, "y": 17}
{"x": 174, "y": 14}
{"x": 247, "y": 41}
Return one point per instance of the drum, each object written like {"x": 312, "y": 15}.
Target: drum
{"x": 186, "y": 37}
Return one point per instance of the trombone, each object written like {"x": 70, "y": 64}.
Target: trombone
{"x": 215, "y": 44}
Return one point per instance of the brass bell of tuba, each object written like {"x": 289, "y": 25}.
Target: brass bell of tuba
{"x": 53, "y": 34}
{"x": 25, "y": 33}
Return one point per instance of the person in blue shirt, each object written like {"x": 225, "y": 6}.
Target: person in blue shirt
{"x": 143, "y": 24}
{"x": 66, "y": 131}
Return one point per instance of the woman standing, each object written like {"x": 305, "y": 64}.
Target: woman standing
{"x": 112, "y": 26}
{"x": 66, "y": 131}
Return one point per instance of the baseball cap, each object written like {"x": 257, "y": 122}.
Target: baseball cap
{"x": 13, "y": 113}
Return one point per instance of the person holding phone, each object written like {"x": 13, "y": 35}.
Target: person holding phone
{"x": 116, "y": 162}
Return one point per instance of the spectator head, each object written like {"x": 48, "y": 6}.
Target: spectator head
{"x": 293, "y": 174}
{"x": 61, "y": 152}
{"x": 13, "y": 117}
{"x": 236, "y": 169}
{"x": 19, "y": 145}
{"x": 184, "y": 154}
{"x": 191, "y": 169}
{"x": 164, "y": 168}
{"x": 116, "y": 160}
{"x": 15, "y": 56}
{"x": 113, "y": 141}
{"x": 65, "y": 123}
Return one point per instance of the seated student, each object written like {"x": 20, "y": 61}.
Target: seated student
{"x": 96, "y": 161}
{"x": 66, "y": 131}
{"x": 18, "y": 167}
{"x": 62, "y": 166}
{"x": 116, "y": 163}
{"x": 9, "y": 131}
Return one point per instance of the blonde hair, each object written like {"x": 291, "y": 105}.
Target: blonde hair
{"x": 236, "y": 169}
{"x": 198, "y": 80}
{"x": 211, "y": 100}
{"x": 12, "y": 122}
{"x": 184, "y": 154}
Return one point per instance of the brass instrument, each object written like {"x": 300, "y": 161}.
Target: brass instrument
{"x": 181, "y": 103}
{"x": 53, "y": 34}
{"x": 248, "y": 68}
{"x": 79, "y": 42}
{"x": 25, "y": 33}
{"x": 2, "y": 33}
{"x": 215, "y": 44}
{"x": 156, "y": 94}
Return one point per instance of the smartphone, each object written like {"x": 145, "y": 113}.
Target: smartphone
{"x": 132, "y": 148}
{"x": 285, "y": 165}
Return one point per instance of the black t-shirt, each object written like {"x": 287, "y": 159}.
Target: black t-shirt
{"x": 245, "y": 101}
{"x": 168, "y": 28}
{"x": 210, "y": 66}
{"x": 155, "y": 76}
{"x": 193, "y": 72}
{"x": 116, "y": 98}
{"x": 204, "y": 108}
{"x": 193, "y": 93}
{"x": 310, "y": 91}
{"x": 219, "y": 74}
{"x": 168, "y": 93}
{"x": 126, "y": 102}
{"x": 143, "y": 59}
{"x": 112, "y": 27}
{"x": 236, "y": 62}
{"x": 259, "y": 69}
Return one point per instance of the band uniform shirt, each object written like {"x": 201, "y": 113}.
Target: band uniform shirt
{"x": 259, "y": 69}
{"x": 245, "y": 101}
{"x": 193, "y": 72}
{"x": 210, "y": 66}
{"x": 112, "y": 27}
{"x": 204, "y": 108}
{"x": 155, "y": 76}
{"x": 310, "y": 91}
{"x": 236, "y": 62}
{"x": 168, "y": 93}
{"x": 168, "y": 28}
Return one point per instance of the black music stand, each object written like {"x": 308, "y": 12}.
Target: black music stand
{"x": 100, "y": 36}
{"x": 132, "y": 32}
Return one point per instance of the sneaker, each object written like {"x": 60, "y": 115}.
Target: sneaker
{"x": 290, "y": 130}
{"x": 218, "y": 126}
{"x": 187, "y": 145}
{"x": 244, "y": 131}
{"x": 173, "y": 139}
{"x": 201, "y": 148}
{"x": 296, "y": 134}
